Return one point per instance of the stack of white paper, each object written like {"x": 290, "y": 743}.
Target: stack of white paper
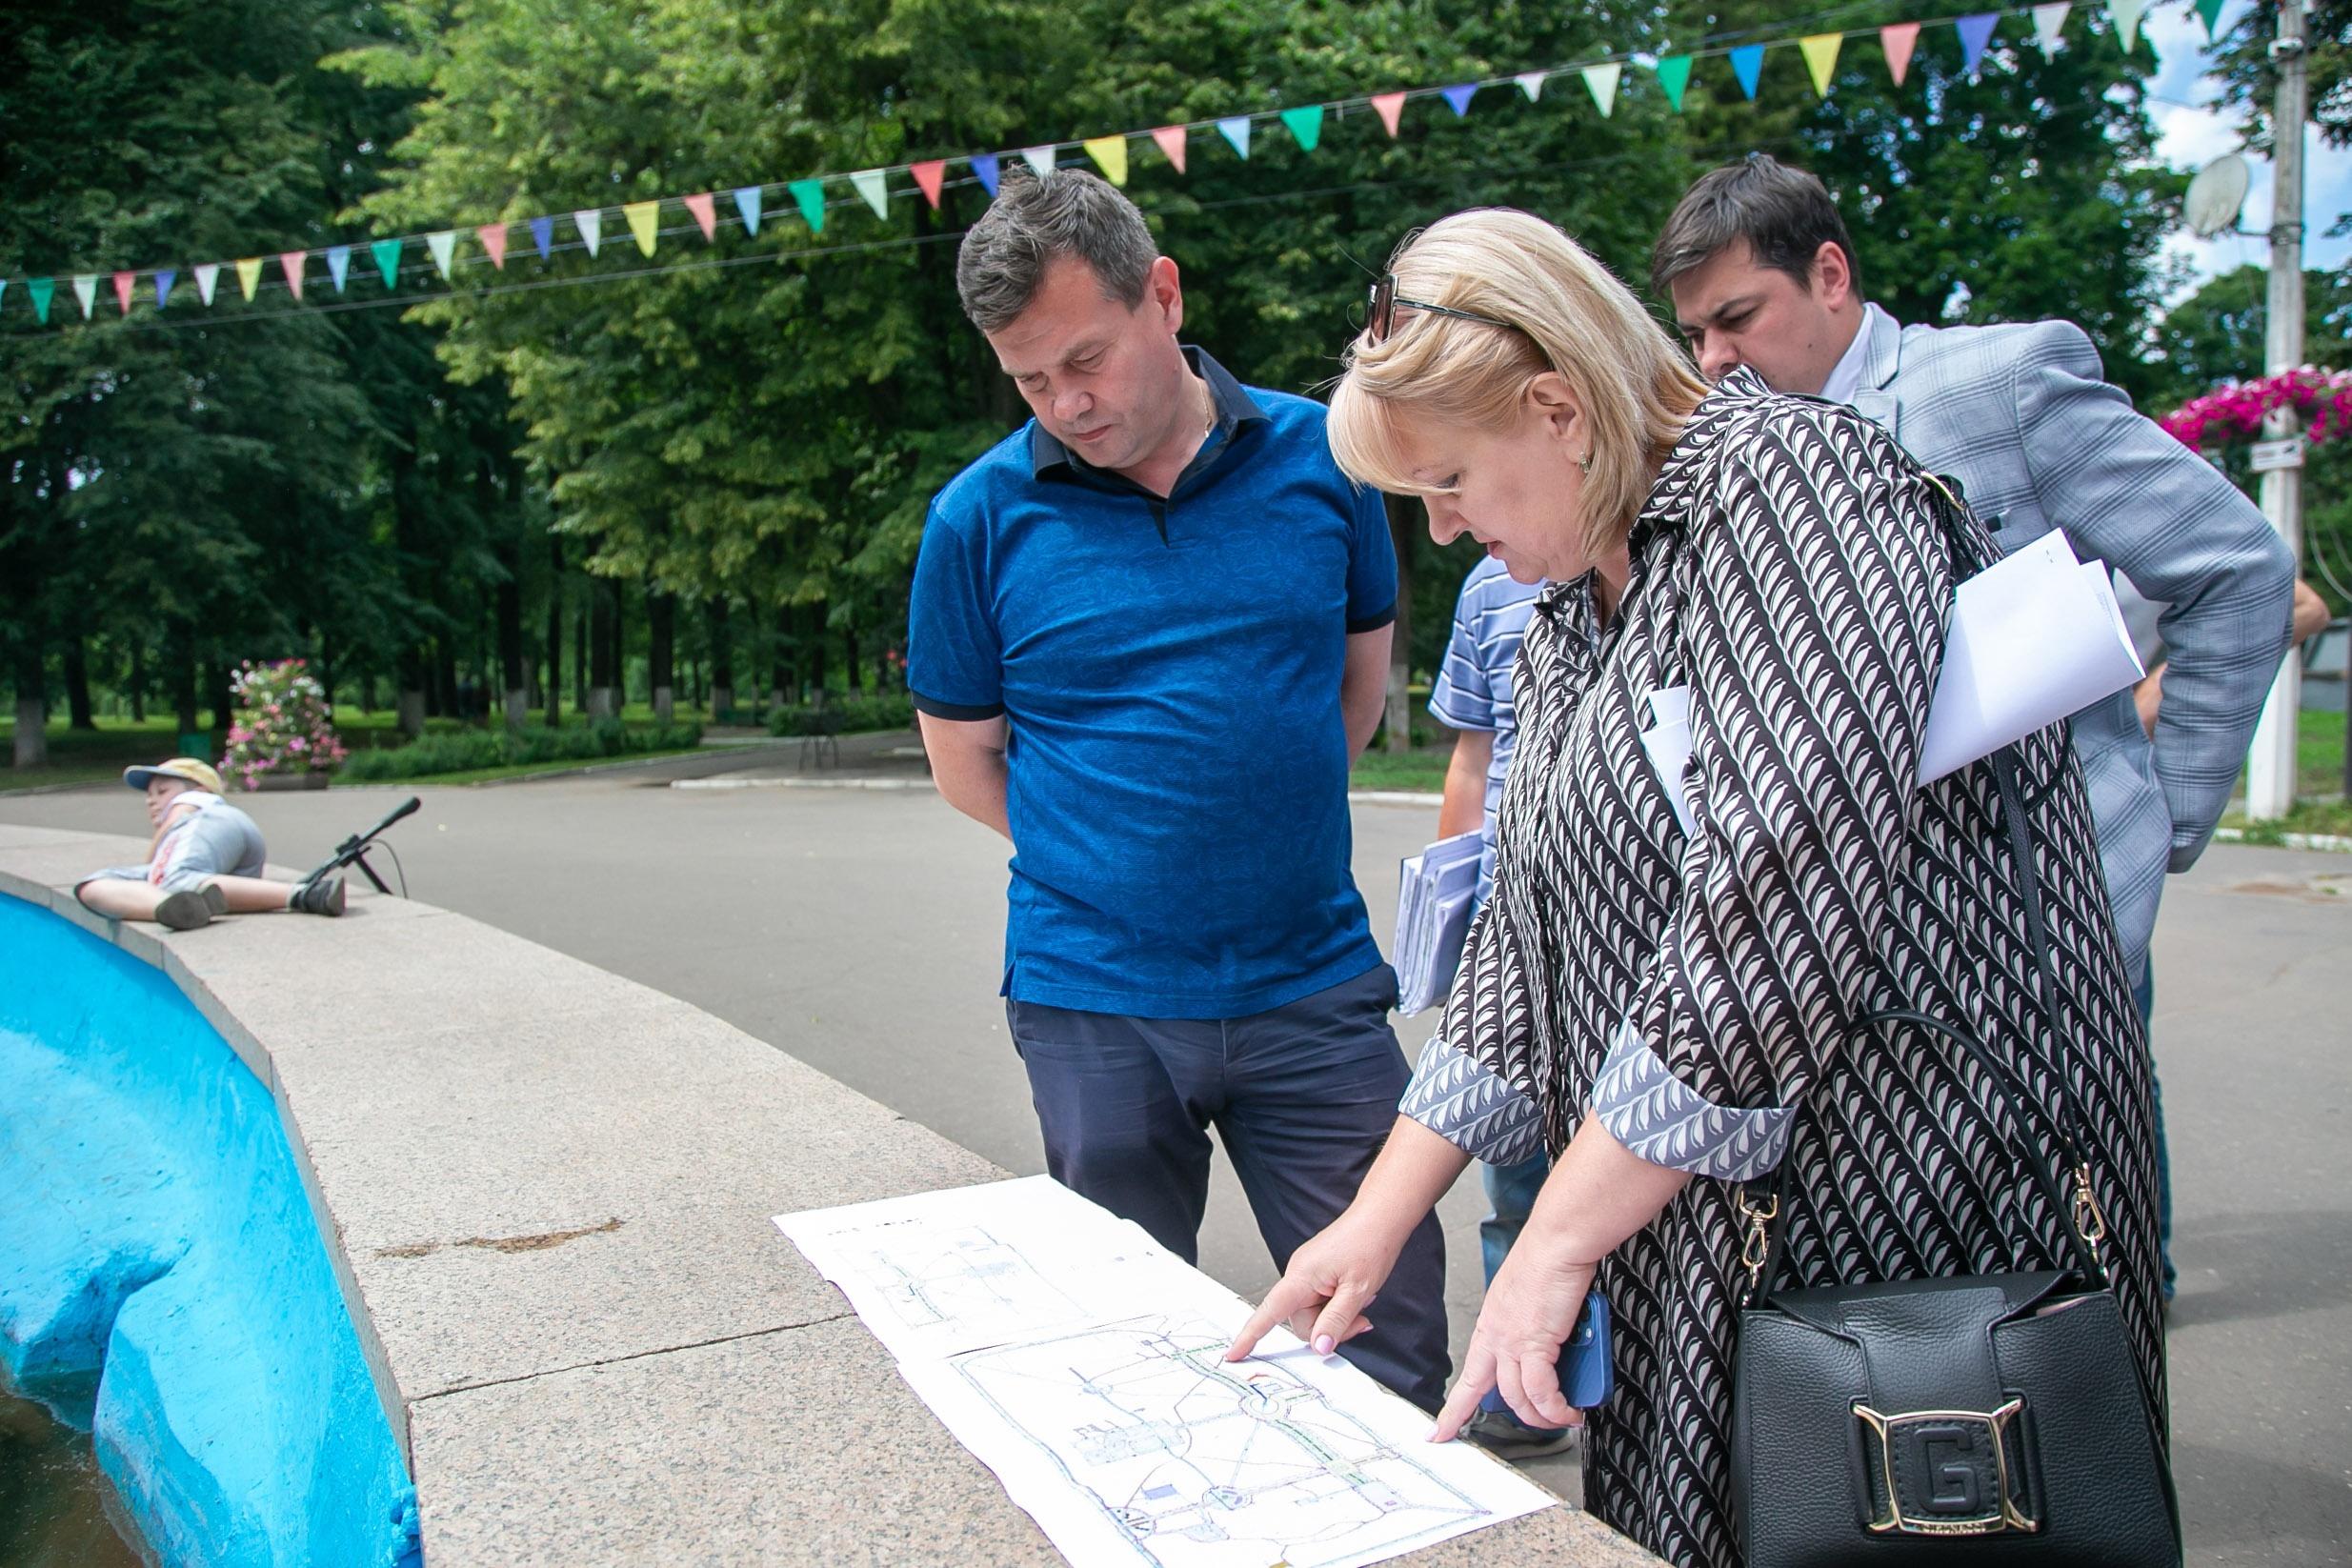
{"x": 1434, "y": 894}
{"x": 1086, "y": 1367}
{"x": 2035, "y": 638}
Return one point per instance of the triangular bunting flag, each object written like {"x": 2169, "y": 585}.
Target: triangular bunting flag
{"x": 2127, "y": 14}
{"x": 164, "y": 280}
{"x": 2210, "y": 12}
{"x": 86, "y": 290}
{"x": 1674, "y": 74}
{"x": 1457, "y": 98}
{"x": 1039, "y": 159}
{"x": 874, "y": 185}
{"x": 986, "y": 169}
{"x": 40, "y": 289}
{"x": 1975, "y": 32}
{"x": 811, "y": 195}
{"x": 644, "y": 222}
{"x": 1391, "y": 108}
{"x": 2049, "y": 22}
{"x": 1236, "y": 131}
{"x": 1600, "y": 81}
{"x": 1109, "y": 155}
{"x": 387, "y": 253}
{"x": 123, "y": 282}
{"x": 747, "y": 207}
{"x": 929, "y": 178}
{"x": 589, "y": 222}
{"x": 1306, "y": 124}
{"x": 1747, "y": 63}
{"x": 1896, "y": 43}
{"x": 208, "y": 279}
{"x": 706, "y": 214}
{"x": 291, "y": 263}
{"x": 443, "y": 247}
{"x": 249, "y": 276}
{"x": 338, "y": 264}
{"x": 1172, "y": 139}
{"x": 1820, "y": 52}
{"x": 543, "y": 235}
{"x": 493, "y": 238}
{"x": 1531, "y": 83}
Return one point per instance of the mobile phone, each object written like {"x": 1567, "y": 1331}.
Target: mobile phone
{"x": 1585, "y": 1379}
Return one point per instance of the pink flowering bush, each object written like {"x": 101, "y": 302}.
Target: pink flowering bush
{"x": 2236, "y": 412}
{"x": 281, "y": 724}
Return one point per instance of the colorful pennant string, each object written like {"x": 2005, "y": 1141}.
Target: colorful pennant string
{"x": 1747, "y": 63}
{"x": 1600, "y": 81}
{"x": 1896, "y": 43}
{"x": 1111, "y": 153}
{"x": 1820, "y": 52}
{"x": 1172, "y": 140}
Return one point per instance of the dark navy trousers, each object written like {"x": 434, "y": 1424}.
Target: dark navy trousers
{"x": 1302, "y": 1096}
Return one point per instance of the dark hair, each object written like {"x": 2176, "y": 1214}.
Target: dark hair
{"x": 1038, "y": 220}
{"x": 1785, "y": 216}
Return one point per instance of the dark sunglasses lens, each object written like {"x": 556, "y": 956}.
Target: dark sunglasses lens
{"x": 1383, "y": 307}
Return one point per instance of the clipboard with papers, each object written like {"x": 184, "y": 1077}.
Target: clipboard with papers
{"x": 2035, "y": 638}
{"x": 1434, "y": 898}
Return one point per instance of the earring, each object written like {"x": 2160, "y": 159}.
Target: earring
{"x": 1584, "y": 465}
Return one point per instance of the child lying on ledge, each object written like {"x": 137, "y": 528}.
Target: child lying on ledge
{"x": 206, "y": 859}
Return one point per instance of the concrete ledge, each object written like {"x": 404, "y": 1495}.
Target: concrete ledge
{"x": 546, "y": 1193}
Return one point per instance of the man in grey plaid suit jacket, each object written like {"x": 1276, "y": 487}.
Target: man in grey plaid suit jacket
{"x": 1763, "y": 273}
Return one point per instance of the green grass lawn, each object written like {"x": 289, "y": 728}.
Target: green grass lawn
{"x": 97, "y": 757}
{"x": 1423, "y": 769}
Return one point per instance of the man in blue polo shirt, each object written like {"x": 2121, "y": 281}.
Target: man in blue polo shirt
{"x": 1150, "y": 632}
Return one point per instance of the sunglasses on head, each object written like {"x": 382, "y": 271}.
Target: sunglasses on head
{"x": 1380, "y": 316}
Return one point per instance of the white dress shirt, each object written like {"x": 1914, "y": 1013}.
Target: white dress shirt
{"x": 1846, "y": 379}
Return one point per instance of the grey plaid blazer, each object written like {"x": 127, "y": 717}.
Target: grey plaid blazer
{"x": 2019, "y": 416}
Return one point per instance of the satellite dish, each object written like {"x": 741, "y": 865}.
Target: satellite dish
{"x": 2217, "y": 195}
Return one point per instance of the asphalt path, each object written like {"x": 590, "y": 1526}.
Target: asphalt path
{"x": 861, "y": 930}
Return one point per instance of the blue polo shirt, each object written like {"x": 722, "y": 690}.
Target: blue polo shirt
{"x": 1170, "y": 670}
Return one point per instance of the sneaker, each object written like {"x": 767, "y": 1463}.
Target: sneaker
{"x": 214, "y": 899}
{"x": 1506, "y": 1437}
{"x": 318, "y": 897}
{"x": 184, "y": 911}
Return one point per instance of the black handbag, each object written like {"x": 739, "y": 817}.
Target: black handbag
{"x": 1997, "y": 1419}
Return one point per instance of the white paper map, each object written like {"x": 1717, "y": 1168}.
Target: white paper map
{"x": 1085, "y": 1366}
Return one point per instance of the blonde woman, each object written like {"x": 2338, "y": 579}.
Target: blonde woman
{"x": 1663, "y": 1009}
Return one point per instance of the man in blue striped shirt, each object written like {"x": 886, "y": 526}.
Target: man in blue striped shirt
{"x": 1473, "y": 699}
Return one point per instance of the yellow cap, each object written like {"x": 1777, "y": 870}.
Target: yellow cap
{"x": 188, "y": 768}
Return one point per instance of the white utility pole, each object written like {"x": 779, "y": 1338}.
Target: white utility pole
{"x": 2270, "y": 767}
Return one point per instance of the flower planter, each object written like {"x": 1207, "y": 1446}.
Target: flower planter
{"x": 292, "y": 782}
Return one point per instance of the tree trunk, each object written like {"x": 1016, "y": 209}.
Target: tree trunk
{"x": 661, "y": 611}
{"x": 445, "y": 677}
{"x": 139, "y": 683}
{"x": 511, "y": 641}
{"x": 603, "y": 646}
{"x": 852, "y": 673}
{"x": 555, "y": 630}
{"x": 31, "y": 679}
{"x": 222, "y": 695}
{"x": 722, "y": 660}
{"x": 180, "y": 655}
{"x": 580, "y": 654}
{"x": 816, "y": 647}
{"x": 782, "y": 666}
{"x": 77, "y": 685}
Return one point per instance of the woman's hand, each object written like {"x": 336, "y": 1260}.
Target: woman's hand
{"x": 1332, "y": 1279}
{"x": 1531, "y": 1310}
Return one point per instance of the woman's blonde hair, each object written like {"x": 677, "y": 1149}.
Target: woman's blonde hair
{"x": 1566, "y": 313}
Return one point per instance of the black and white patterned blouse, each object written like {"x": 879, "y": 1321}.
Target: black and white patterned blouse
{"x": 1795, "y": 569}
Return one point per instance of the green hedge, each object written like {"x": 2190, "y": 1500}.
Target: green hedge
{"x": 465, "y": 750}
{"x": 847, "y": 715}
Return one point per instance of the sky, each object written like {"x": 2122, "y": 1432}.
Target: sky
{"x": 2192, "y": 135}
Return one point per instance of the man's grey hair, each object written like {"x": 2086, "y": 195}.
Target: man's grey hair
{"x": 1036, "y": 221}
{"x": 1785, "y": 216}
